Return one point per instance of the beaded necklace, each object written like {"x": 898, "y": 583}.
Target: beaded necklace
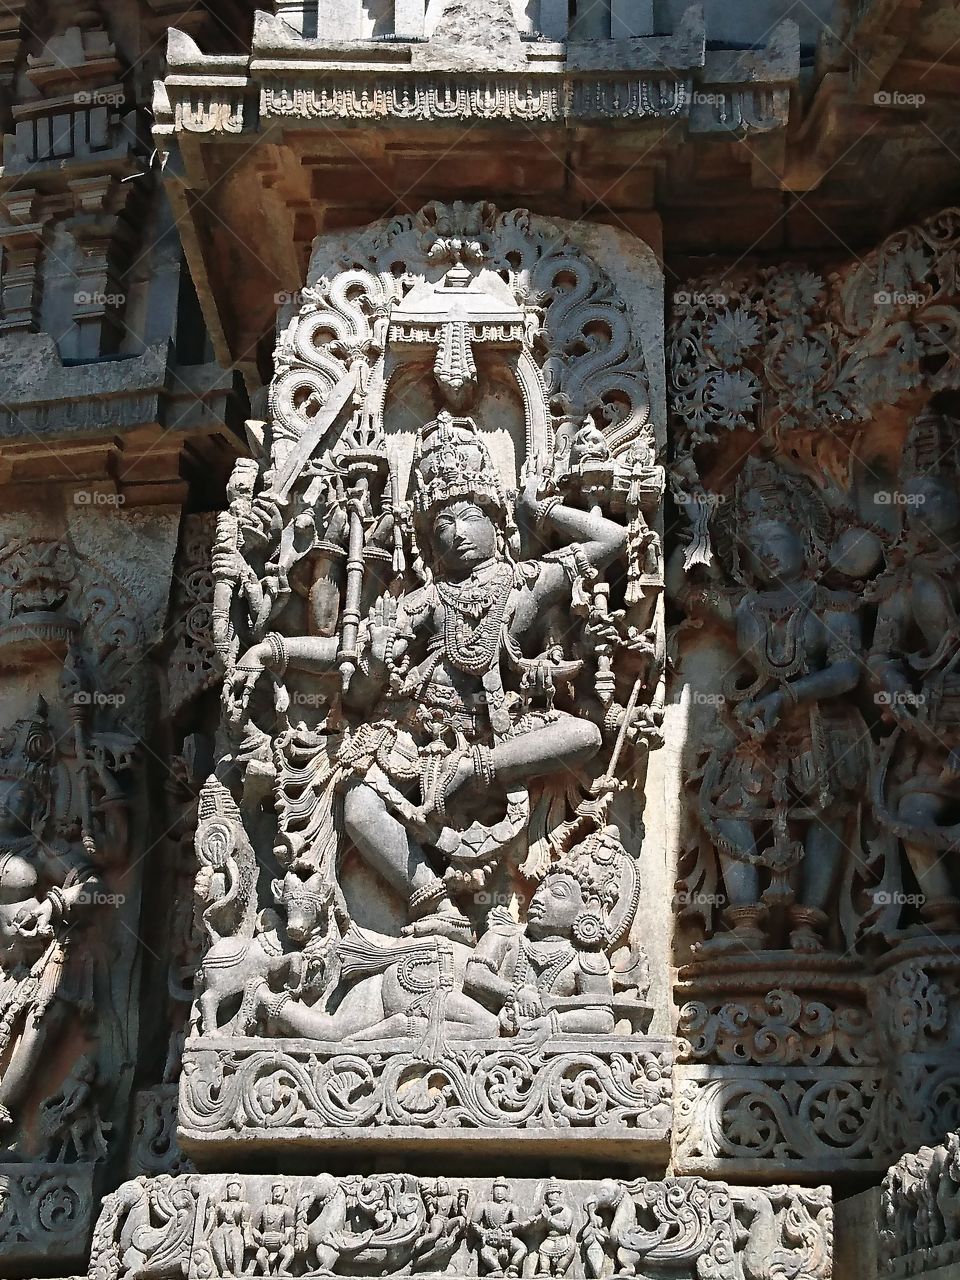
{"x": 473, "y": 616}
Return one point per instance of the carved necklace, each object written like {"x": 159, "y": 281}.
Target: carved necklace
{"x": 473, "y": 616}
{"x": 783, "y": 652}
{"x": 547, "y": 959}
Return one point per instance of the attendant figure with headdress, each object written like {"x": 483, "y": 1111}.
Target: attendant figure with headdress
{"x": 787, "y": 767}
{"x": 915, "y": 667}
{"x": 552, "y": 975}
{"x": 46, "y": 885}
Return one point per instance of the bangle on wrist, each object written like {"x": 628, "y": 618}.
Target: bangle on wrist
{"x": 278, "y": 652}
{"x": 542, "y": 510}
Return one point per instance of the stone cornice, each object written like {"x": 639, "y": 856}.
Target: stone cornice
{"x": 643, "y": 79}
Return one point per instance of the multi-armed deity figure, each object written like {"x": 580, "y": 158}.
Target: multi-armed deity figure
{"x": 443, "y": 640}
{"x": 915, "y": 666}
{"x": 459, "y": 674}
{"x": 790, "y": 759}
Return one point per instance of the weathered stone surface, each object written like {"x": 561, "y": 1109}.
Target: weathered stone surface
{"x": 389, "y": 1224}
{"x": 484, "y": 951}
{"x": 426, "y": 795}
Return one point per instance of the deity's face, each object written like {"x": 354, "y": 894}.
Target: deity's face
{"x": 278, "y": 1195}
{"x": 464, "y": 536}
{"x": 499, "y": 1193}
{"x": 233, "y": 1190}
{"x": 776, "y": 551}
{"x": 16, "y": 809}
{"x": 933, "y": 509}
{"x": 554, "y": 907}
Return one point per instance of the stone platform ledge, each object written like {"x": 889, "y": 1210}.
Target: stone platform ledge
{"x": 46, "y": 1215}
{"x": 396, "y": 1223}
{"x": 244, "y": 1093}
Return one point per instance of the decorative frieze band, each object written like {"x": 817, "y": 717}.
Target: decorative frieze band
{"x": 397, "y": 1224}
{"x": 237, "y": 1093}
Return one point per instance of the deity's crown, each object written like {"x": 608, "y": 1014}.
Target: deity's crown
{"x": 610, "y": 886}
{"x": 28, "y": 748}
{"x": 452, "y": 461}
{"x": 930, "y": 448}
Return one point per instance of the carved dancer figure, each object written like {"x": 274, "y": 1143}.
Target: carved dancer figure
{"x": 915, "y": 667}
{"x": 46, "y": 887}
{"x": 441, "y": 669}
{"x": 71, "y": 1116}
{"x": 228, "y": 1237}
{"x": 272, "y": 1233}
{"x": 558, "y": 1249}
{"x": 496, "y": 1226}
{"x": 446, "y": 1224}
{"x": 790, "y": 759}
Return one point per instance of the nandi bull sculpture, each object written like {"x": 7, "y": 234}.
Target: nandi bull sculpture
{"x": 247, "y": 946}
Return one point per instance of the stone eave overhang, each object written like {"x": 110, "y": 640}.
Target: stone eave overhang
{"x": 182, "y": 420}
{"x": 291, "y": 81}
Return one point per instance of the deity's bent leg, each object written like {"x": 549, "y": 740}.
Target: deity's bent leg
{"x": 387, "y": 846}
{"x": 384, "y": 841}
{"x": 567, "y": 741}
{"x": 940, "y": 907}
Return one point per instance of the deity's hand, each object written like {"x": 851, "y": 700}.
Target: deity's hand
{"x": 385, "y": 642}
{"x": 763, "y": 716}
{"x": 240, "y": 682}
{"x": 528, "y": 1003}
{"x": 227, "y": 564}
{"x": 535, "y": 486}
{"x": 35, "y": 921}
{"x": 534, "y": 1034}
{"x": 264, "y": 523}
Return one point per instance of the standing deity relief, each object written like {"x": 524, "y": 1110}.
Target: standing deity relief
{"x": 438, "y": 605}
{"x": 64, "y": 844}
{"x": 820, "y": 553}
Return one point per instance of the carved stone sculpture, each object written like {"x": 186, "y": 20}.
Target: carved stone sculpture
{"x": 680, "y": 1229}
{"x": 789, "y": 762}
{"x": 437, "y": 601}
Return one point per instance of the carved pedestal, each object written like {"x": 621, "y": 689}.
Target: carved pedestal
{"x": 612, "y": 1101}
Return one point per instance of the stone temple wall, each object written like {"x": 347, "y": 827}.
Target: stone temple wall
{"x": 479, "y": 640}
